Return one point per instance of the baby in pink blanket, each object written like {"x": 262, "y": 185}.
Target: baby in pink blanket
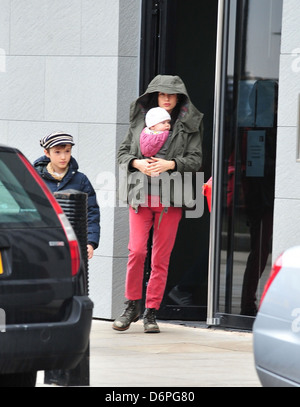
{"x": 154, "y": 136}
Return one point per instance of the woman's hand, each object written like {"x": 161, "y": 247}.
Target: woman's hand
{"x": 142, "y": 165}
{"x": 153, "y": 166}
{"x": 159, "y": 165}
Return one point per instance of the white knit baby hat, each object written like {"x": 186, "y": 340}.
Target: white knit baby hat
{"x": 156, "y": 115}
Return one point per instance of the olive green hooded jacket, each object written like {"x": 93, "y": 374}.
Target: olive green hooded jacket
{"x": 185, "y": 147}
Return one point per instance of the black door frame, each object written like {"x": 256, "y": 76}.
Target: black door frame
{"x": 158, "y": 56}
{"x": 157, "y": 50}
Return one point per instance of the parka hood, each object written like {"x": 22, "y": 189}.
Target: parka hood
{"x": 188, "y": 115}
{"x": 167, "y": 84}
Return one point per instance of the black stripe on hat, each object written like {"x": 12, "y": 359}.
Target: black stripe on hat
{"x": 56, "y": 139}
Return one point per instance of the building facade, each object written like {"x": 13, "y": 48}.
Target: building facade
{"x": 76, "y": 65}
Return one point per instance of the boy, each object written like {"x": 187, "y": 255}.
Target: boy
{"x": 60, "y": 172}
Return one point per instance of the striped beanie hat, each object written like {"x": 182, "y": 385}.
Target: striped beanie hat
{"x": 56, "y": 139}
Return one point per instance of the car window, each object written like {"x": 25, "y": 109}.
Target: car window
{"x": 14, "y": 200}
{"x": 22, "y": 201}
{"x": 7, "y": 202}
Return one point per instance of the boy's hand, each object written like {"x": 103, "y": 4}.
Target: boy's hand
{"x": 90, "y": 251}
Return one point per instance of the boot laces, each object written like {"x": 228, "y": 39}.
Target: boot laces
{"x": 128, "y": 310}
{"x": 151, "y": 317}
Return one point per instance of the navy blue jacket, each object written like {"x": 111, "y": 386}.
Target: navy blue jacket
{"x": 78, "y": 181}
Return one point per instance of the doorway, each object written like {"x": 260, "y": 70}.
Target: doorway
{"x": 227, "y": 53}
{"x": 179, "y": 38}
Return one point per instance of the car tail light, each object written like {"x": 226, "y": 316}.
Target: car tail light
{"x": 275, "y": 270}
{"x": 73, "y": 243}
{"x": 70, "y": 234}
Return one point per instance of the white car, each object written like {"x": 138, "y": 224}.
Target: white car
{"x": 276, "y": 331}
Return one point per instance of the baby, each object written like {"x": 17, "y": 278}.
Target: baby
{"x": 154, "y": 136}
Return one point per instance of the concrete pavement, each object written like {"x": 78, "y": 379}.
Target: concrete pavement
{"x": 179, "y": 356}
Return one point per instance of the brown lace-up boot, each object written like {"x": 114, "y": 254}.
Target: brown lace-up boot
{"x": 150, "y": 325}
{"x": 130, "y": 314}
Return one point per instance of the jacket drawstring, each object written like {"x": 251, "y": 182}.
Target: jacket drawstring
{"x": 165, "y": 210}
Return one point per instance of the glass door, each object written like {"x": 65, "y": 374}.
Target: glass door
{"x": 244, "y": 158}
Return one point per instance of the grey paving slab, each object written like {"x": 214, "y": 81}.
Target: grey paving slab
{"x": 180, "y": 356}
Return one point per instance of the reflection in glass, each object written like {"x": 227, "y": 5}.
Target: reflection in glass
{"x": 258, "y": 180}
{"x": 249, "y": 153}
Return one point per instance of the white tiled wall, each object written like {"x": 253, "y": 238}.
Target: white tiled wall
{"x": 287, "y": 195}
{"x": 4, "y": 25}
{"x": 291, "y": 34}
{"x": 73, "y": 65}
{"x": 81, "y": 89}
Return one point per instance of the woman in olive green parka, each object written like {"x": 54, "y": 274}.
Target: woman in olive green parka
{"x": 144, "y": 191}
